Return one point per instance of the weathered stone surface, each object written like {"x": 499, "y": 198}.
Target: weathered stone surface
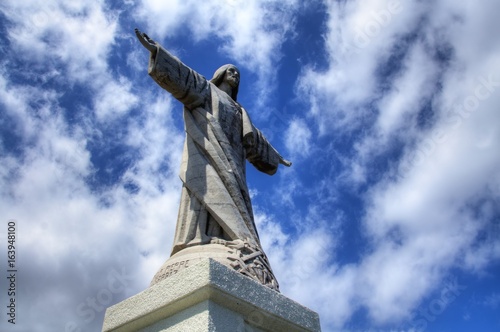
{"x": 215, "y": 204}
{"x": 209, "y": 296}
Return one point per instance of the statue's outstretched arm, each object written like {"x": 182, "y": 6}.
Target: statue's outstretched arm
{"x": 147, "y": 42}
{"x": 185, "y": 84}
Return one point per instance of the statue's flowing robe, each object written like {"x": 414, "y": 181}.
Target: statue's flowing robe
{"x": 215, "y": 203}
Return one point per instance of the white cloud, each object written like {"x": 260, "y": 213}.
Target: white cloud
{"x": 299, "y": 262}
{"x": 252, "y": 31}
{"x": 297, "y": 139}
{"x": 70, "y": 232}
{"x": 78, "y": 34}
{"x": 359, "y": 36}
{"x": 64, "y": 223}
{"x": 398, "y": 108}
{"x": 422, "y": 215}
{"x": 114, "y": 99}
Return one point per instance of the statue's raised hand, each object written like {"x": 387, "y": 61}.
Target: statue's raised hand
{"x": 147, "y": 42}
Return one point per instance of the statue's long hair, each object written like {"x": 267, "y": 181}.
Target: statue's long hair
{"x": 218, "y": 78}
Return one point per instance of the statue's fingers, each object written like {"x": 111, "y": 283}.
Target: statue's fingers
{"x": 286, "y": 162}
{"x": 138, "y": 33}
{"x": 145, "y": 40}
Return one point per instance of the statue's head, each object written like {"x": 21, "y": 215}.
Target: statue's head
{"x": 229, "y": 74}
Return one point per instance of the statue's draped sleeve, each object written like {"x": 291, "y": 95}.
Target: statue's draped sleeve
{"x": 185, "y": 84}
{"x": 259, "y": 152}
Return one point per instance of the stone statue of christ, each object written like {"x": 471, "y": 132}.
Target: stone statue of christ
{"x": 215, "y": 205}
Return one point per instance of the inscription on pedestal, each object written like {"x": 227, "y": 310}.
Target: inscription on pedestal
{"x": 169, "y": 270}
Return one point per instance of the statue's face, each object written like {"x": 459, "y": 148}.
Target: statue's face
{"x": 232, "y": 77}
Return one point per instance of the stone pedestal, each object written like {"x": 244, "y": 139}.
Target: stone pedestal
{"x": 209, "y": 296}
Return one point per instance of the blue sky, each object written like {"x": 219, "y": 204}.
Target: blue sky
{"x": 389, "y": 218}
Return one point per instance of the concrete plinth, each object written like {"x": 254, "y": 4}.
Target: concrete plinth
{"x": 209, "y": 296}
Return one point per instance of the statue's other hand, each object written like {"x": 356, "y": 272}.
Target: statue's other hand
{"x": 147, "y": 42}
{"x": 285, "y": 162}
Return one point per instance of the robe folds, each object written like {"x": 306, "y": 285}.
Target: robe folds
{"x": 220, "y": 137}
